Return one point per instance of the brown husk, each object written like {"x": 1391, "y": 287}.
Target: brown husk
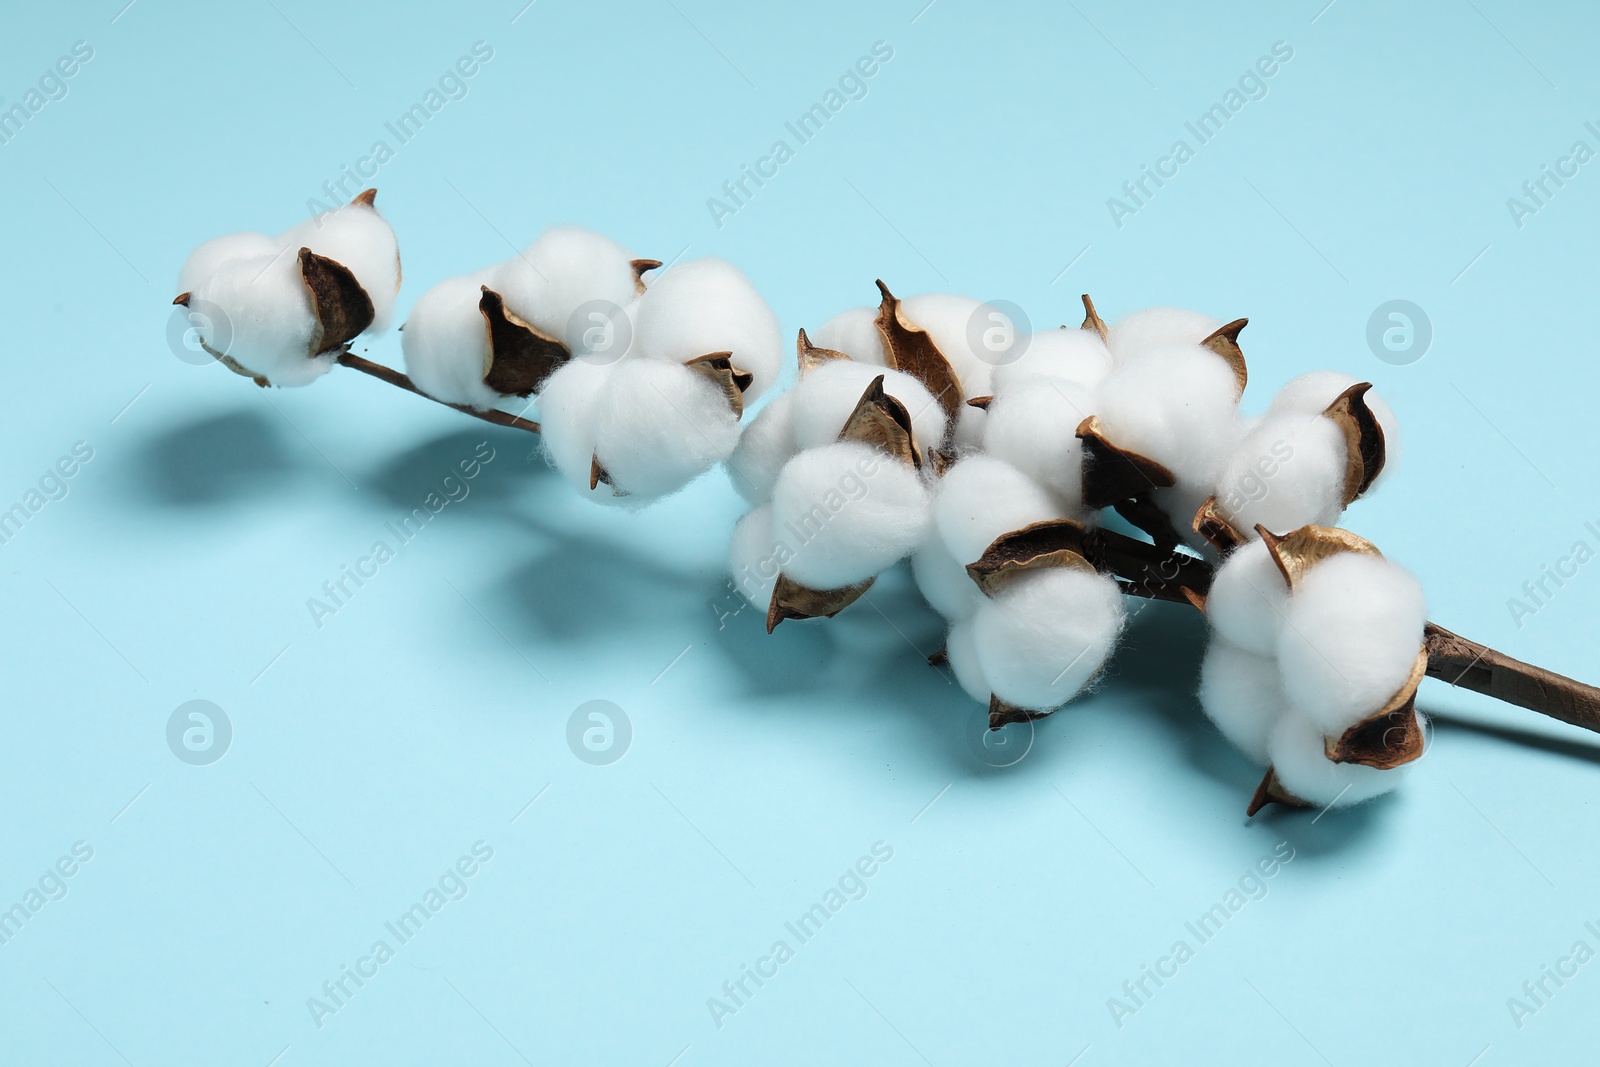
{"x": 1111, "y": 474}
{"x": 519, "y": 356}
{"x": 1391, "y": 736}
{"x": 911, "y": 349}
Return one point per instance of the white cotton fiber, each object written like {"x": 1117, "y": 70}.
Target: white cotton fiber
{"x": 658, "y": 426}
{"x": 952, "y": 321}
{"x": 751, "y": 561}
{"x": 706, "y": 306}
{"x": 943, "y": 580}
{"x": 1249, "y": 598}
{"x": 968, "y": 436}
{"x": 260, "y": 316}
{"x": 1067, "y": 352}
{"x": 844, "y": 512}
{"x": 825, "y": 397}
{"x": 855, "y": 333}
{"x": 1310, "y": 394}
{"x": 1153, "y": 329}
{"x": 1033, "y": 426}
{"x": 359, "y": 239}
{"x": 981, "y": 498}
{"x": 765, "y": 444}
{"x": 565, "y": 269}
{"x": 1349, "y": 637}
{"x": 1178, "y": 406}
{"x": 1242, "y": 693}
{"x": 1045, "y": 634}
{"x": 206, "y": 260}
{"x": 446, "y": 342}
{"x": 961, "y": 649}
{"x": 1286, "y": 472}
{"x": 567, "y": 420}
{"x": 1299, "y": 758}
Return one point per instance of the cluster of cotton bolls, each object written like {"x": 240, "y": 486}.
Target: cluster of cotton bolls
{"x": 1291, "y": 669}
{"x": 281, "y": 309}
{"x": 640, "y": 381}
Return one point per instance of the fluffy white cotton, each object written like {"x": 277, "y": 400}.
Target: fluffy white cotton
{"x": 953, "y": 321}
{"x": 981, "y": 498}
{"x": 1178, "y": 406}
{"x": 561, "y": 272}
{"x": 968, "y": 435}
{"x": 765, "y": 444}
{"x": 446, "y": 342}
{"x": 1242, "y": 693}
{"x": 258, "y": 313}
{"x": 961, "y": 649}
{"x": 943, "y": 580}
{"x": 1067, "y": 352}
{"x": 658, "y": 426}
{"x": 1249, "y": 598}
{"x": 1310, "y": 394}
{"x": 750, "y": 557}
{"x": 1153, "y": 329}
{"x": 209, "y": 258}
{"x": 359, "y": 239}
{"x": 567, "y": 420}
{"x": 825, "y": 397}
{"x": 706, "y": 306}
{"x": 1298, "y": 757}
{"x": 1033, "y": 426}
{"x": 1286, "y": 472}
{"x": 1045, "y": 634}
{"x": 846, "y": 511}
{"x": 1351, "y": 632}
{"x": 855, "y": 333}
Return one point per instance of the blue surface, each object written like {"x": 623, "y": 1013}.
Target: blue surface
{"x": 429, "y": 714}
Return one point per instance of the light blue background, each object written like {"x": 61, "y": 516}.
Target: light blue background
{"x": 370, "y": 753}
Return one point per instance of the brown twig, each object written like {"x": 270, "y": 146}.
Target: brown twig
{"x": 395, "y": 378}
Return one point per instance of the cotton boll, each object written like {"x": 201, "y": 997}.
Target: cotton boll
{"x": 1285, "y": 473}
{"x": 750, "y": 557}
{"x": 825, "y": 397}
{"x": 943, "y": 580}
{"x": 856, "y": 334}
{"x": 206, "y": 260}
{"x": 981, "y": 498}
{"x": 1076, "y": 355}
{"x": 1298, "y": 757}
{"x": 1349, "y": 638}
{"x": 445, "y": 342}
{"x": 567, "y": 420}
{"x": 706, "y": 306}
{"x": 1033, "y": 426}
{"x": 1310, "y": 394}
{"x": 359, "y": 239}
{"x": 1046, "y": 633}
{"x": 1242, "y": 693}
{"x": 658, "y": 426}
{"x": 961, "y": 649}
{"x": 844, "y": 512}
{"x": 765, "y": 445}
{"x": 259, "y": 315}
{"x": 1178, "y": 406}
{"x": 1248, "y": 600}
{"x": 1154, "y": 329}
{"x": 567, "y": 269}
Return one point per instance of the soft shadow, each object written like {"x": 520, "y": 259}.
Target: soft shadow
{"x": 215, "y": 460}
{"x": 1587, "y": 750}
{"x": 406, "y": 478}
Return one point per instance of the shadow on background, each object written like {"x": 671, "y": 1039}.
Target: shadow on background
{"x": 216, "y": 460}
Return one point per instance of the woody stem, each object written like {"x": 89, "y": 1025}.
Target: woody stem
{"x": 1469, "y": 665}
{"x": 395, "y": 378}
